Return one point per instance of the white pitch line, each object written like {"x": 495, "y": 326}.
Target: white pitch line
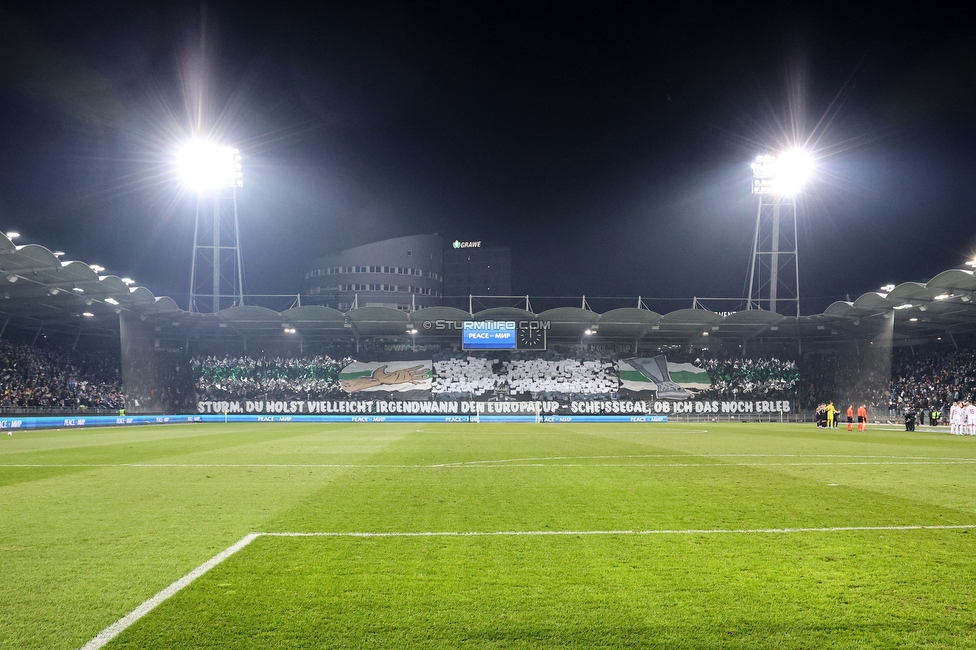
{"x": 119, "y": 626}
{"x": 147, "y": 606}
{"x": 666, "y": 531}
{"x": 689, "y": 456}
{"x": 217, "y": 465}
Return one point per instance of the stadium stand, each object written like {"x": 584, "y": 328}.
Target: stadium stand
{"x": 49, "y": 379}
{"x": 52, "y": 379}
{"x": 736, "y": 379}
{"x": 931, "y": 376}
{"x": 560, "y": 378}
{"x": 266, "y": 377}
{"x": 546, "y": 376}
{"x": 464, "y": 377}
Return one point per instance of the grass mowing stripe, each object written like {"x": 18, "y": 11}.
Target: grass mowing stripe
{"x": 937, "y": 461}
{"x": 119, "y": 626}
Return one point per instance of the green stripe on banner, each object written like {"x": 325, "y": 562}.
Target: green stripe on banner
{"x": 355, "y": 375}
{"x": 686, "y": 377}
{"x": 633, "y": 375}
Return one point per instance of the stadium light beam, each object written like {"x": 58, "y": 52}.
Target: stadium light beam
{"x": 783, "y": 175}
{"x": 205, "y": 166}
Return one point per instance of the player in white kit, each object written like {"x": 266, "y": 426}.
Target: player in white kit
{"x": 954, "y": 418}
{"x": 971, "y": 419}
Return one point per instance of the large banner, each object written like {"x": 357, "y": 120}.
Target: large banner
{"x": 674, "y": 381}
{"x": 451, "y": 407}
{"x": 546, "y": 385}
{"x": 394, "y": 376}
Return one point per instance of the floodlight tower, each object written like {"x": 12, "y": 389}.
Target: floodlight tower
{"x": 217, "y": 272}
{"x": 774, "y": 274}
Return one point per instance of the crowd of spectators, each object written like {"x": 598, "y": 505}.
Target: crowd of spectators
{"x": 846, "y": 377}
{"x": 549, "y": 376}
{"x": 931, "y": 377}
{"x": 905, "y": 378}
{"x": 464, "y": 377}
{"x": 276, "y": 378}
{"x": 54, "y": 379}
{"x": 750, "y": 379}
{"x": 560, "y": 378}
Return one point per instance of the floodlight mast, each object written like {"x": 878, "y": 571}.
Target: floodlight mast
{"x": 774, "y": 273}
{"x": 214, "y": 172}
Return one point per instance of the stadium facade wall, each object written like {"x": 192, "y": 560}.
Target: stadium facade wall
{"x": 404, "y": 273}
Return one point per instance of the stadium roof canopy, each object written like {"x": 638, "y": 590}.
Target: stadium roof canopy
{"x": 42, "y": 292}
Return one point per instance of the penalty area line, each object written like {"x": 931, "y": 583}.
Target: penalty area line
{"x": 119, "y": 626}
{"x": 147, "y": 606}
{"x": 664, "y": 531}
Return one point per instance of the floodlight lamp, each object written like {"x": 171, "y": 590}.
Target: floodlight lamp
{"x": 58, "y": 253}
{"x": 112, "y": 301}
{"x": 204, "y": 166}
{"x": 12, "y": 235}
{"x": 913, "y": 320}
{"x": 290, "y": 330}
{"x": 96, "y": 268}
{"x": 888, "y": 288}
{"x": 906, "y": 305}
{"x": 78, "y": 289}
{"x": 12, "y": 278}
{"x": 784, "y": 175}
{"x": 943, "y": 296}
{"x": 794, "y": 169}
{"x": 87, "y": 314}
{"x": 128, "y": 281}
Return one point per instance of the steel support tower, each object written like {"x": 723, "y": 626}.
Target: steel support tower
{"x": 217, "y": 272}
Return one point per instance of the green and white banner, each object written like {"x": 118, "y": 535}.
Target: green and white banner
{"x": 639, "y": 375}
{"x": 390, "y": 376}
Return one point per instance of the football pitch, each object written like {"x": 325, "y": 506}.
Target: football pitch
{"x": 487, "y": 536}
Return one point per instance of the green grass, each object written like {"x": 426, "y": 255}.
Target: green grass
{"x": 93, "y": 522}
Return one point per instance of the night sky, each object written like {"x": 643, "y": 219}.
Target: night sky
{"x": 607, "y": 143}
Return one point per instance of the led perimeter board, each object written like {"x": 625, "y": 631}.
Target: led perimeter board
{"x": 504, "y": 335}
